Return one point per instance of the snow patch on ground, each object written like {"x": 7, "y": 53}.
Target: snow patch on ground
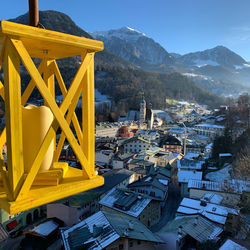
{"x": 200, "y": 63}
{"x": 192, "y": 75}
{"x": 99, "y": 99}
{"x": 244, "y": 66}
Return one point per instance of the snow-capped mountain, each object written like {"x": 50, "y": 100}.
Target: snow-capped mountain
{"x": 134, "y": 46}
{"x": 218, "y": 69}
{"x": 218, "y": 56}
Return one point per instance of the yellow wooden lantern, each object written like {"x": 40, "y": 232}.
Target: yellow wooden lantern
{"x": 24, "y": 184}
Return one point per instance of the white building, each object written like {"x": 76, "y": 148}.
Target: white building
{"x": 209, "y": 130}
{"x": 136, "y": 145}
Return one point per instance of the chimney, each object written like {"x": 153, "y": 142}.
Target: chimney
{"x": 125, "y": 233}
{"x": 180, "y": 230}
{"x": 131, "y": 225}
{"x": 195, "y": 221}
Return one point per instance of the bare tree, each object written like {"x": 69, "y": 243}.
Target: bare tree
{"x": 241, "y": 164}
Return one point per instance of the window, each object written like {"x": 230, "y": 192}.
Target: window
{"x": 138, "y": 242}
{"x": 131, "y": 244}
{"x": 120, "y": 246}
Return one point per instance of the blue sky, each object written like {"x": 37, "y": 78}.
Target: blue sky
{"x": 180, "y": 26}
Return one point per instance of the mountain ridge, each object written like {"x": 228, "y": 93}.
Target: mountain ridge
{"x": 134, "y": 46}
{"x": 122, "y": 79}
{"x": 226, "y": 72}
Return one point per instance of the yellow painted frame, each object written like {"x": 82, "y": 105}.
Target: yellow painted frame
{"x": 20, "y": 191}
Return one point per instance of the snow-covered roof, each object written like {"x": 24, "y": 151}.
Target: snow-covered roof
{"x": 231, "y": 245}
{"x": 102, "y": 229}
{"x": 177, "y": 130}
{"x": 212, "y": 217}
{"x": 189, "y": 164}
{"x": 45, "y": 228}
{"x": 86, "y": 226}
{"x": 220, "y": 175}
{"x": 212, "y": 198}
{"x": 204, "y": 229}
{"x": 225, "y": 155}
{"x": 214, "y": 212}
{"x": 190, "y": 156}
{"x": 185, "y": 175}
{"x": 164, "y": 182}
{"x": 209, "y": 125}
{"x": 233, "y": 186}
{"x": 209, "y": 146}
{"x": 115, "y": 195}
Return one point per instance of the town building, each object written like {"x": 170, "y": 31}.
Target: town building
{"x": 178, "y": 132}
{"x": 226, "y": 217}
{"x": 13, "y": 223}
{"x": 154, "y": 185}
{"x": 136, "y": 144}
{"x": 43, "y": 235}
{"x": 105, "y": 230}
{"x": 74, "y": 208}
{"x": 141, "y": 167}
{"x": 137, "y": 205}
{"x": 149, "y": 135}
{"x": 116, "y": 178}
{"x": 120, "y": 159}
{"x": 209, "y": 130}
{"x": 187, "y": 164}
{"x": 231, "y": 191}
{"x": 103, "y": 157}
{"x": 191, "y": 117}
{"x": 163, "y": 115}
{"x": 183, "y": 178}
{"x": 80, "y": 206}
{"x": 171, "y": 144}
{"x": 125, "y": 132}
{"x": 164, "y": 158}
{"x": 188, "y": 232}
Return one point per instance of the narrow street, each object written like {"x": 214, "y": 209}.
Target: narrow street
{"x": 171, "y": 205}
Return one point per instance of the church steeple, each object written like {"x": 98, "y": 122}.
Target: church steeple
{"x": 142, "y": 110}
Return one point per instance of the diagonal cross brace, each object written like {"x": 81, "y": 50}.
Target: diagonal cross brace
{"x": 74, "y": 117}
